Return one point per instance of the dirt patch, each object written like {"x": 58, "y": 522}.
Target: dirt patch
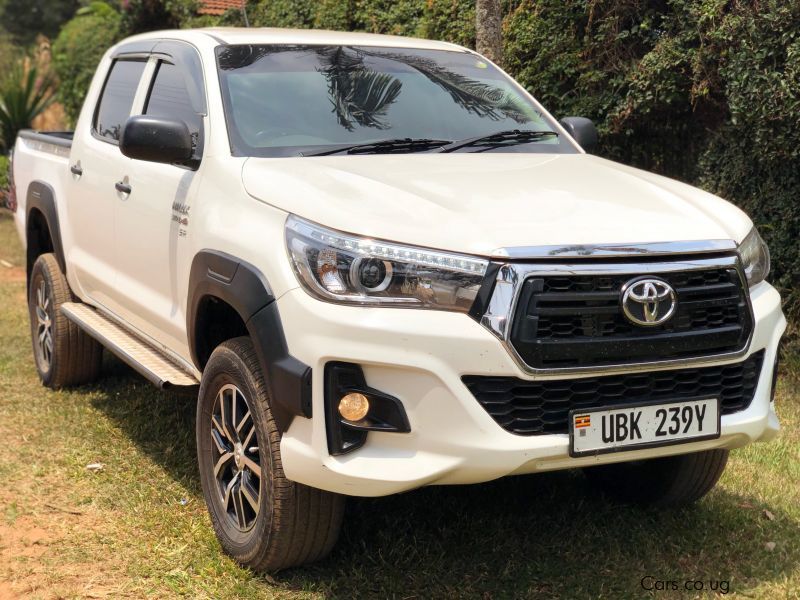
{"x": 31, "y": 552}
{"x": 23, "y": 539}
{"x": 6, "y": 593}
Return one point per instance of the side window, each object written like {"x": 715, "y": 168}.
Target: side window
{"x": 116, "y": 101}
{"x": 169, "y": 98}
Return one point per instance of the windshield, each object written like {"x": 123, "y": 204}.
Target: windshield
{"x": 285, "y": 100}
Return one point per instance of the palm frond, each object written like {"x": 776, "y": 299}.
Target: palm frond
{"x": 360, "y": 96}
{"x": 25, "y": 93}
{"x": 480, "y": 98}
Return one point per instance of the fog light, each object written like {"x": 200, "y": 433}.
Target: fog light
{"x": 354, "y": 406}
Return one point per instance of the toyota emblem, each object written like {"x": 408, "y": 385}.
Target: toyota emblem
{"x": 648, "y": 302}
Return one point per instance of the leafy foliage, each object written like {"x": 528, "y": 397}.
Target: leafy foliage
{"x": 3, "y": 174}
{"x": 707, "y": 91}
{"x": 149, "y": 15}
{"x": 78, "y": 50}
{"x": 25, "y": 19}
{"x": 25, "y": 92}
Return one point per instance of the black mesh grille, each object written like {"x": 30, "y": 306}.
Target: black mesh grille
{"x": 577, "y": 320}
{"x": 542, "y": 407}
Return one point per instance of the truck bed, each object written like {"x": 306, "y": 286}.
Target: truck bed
{"x": 39, "y": 156}
{"x": 58, "y": 138}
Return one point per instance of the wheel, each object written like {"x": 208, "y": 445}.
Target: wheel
{"x": 263, "y": 520}
{"x": 669, "y": 481}
{"x": 64, "y": 354}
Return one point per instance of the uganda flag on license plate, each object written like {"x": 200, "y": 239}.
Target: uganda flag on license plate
{"x": 582, "y": 421}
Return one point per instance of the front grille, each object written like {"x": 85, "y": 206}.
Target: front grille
{"x": 577, "y": 320}
{"x": 542, "y": 407}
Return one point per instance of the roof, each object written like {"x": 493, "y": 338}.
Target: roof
{"x": 270, "y": 35}
{"x": 311, "y": 37}
{"x": 218, "y": 7}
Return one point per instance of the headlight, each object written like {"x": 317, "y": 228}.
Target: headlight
{"x": 340, "y": 267}
{"x": 755, "y": 257}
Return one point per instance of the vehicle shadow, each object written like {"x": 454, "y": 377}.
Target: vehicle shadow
{"x": 542, "y": 536}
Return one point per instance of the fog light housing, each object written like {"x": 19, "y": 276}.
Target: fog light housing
{"x": 354, "y": 406}
{"x": 353, "y": 409}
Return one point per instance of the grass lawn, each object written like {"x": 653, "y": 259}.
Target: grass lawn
{"x": 138, "y": 527}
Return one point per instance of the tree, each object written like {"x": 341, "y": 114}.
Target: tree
{"x": 25, "y": 19}
{"x": 489, "y": 29}
{"x": 78, "y": 49}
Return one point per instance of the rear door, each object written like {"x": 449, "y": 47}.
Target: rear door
{"x": 154, "y": 217}
{"x": 90, "y": 191}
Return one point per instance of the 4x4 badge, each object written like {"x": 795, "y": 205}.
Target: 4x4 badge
{"x": 648, "y": 301}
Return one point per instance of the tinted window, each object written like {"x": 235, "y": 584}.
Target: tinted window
{"x": 283, "y": 100}
{"x": 169, "y": 98}
{"x": 117, "y": 98}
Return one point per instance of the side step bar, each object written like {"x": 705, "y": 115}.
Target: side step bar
{"x": 143, "y": 357}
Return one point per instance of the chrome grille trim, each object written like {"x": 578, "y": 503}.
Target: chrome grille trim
{"x": 511, "y": 276}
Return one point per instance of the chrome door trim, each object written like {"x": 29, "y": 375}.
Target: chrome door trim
{"x": 645, "y": 249}
{"x": 511, "y": 276}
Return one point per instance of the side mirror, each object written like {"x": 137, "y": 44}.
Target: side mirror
{"x": 156, "y": 139}
{"x": 582, "y": 130}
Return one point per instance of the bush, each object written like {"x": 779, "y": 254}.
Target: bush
{"x": 3, "y": 173}
{"x": 78, "y": 49}
{"x": 27, "y": 19}
{"x": 451, "y": 20}
{"x": 707, "y": 91}
{"x": 25, "y": 92}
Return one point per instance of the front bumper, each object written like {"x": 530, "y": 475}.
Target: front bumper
{"x": 419, "y": 356}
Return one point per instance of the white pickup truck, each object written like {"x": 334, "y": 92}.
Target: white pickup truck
{"x": 380, "y": 264}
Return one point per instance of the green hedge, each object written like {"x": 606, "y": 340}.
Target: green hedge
{"x": 451, "y": 20}
{"x": 78, "y": 49}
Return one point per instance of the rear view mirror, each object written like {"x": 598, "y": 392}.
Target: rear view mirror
{"x": 156, "y": 139}
{"x": 582, "y": 130}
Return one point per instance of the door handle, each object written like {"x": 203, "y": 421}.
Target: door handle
{"x": 122, "y": 188}
{"x": 76, "y": 170}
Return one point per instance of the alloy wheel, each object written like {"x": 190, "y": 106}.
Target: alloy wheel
{"x": 44, "y": 323}
{"x": 236, "y": 460}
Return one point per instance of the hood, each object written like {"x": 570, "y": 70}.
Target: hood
{"x": 479, "y": 203}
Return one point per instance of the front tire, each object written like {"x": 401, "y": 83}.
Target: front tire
{"x": 263, "y": 520}
{"x": 64, "y": 354}
{"x": 666, "y": 482}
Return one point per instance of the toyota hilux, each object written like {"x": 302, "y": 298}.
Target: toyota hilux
{"x": 378, "y": 263}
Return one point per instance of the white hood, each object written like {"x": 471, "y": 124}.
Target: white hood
{"x": 479, "y": 203}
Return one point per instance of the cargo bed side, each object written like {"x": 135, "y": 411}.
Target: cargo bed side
{"x": 39, "y": 157}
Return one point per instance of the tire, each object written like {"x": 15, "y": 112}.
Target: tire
{"x": 64, "y": 354}
{"x": 671, "y": 481}
{"x": 294, "y": 524}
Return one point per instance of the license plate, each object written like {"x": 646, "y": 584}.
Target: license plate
{"x": 619, "y": 428}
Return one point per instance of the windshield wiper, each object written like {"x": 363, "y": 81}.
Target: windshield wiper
{"x": 383, "y": 147}
{"x": 501, "y": 138}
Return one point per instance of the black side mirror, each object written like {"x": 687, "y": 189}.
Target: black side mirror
{"x": 582, "y": 130}
{"x": 156, "y": 139}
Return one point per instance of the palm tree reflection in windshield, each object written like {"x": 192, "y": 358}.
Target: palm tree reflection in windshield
{"x": 361, "y": 96}
{"x": 482, "y": 99}
{"x": 358, "y": 94}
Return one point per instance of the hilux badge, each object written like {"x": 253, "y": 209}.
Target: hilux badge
{"x": 648, "y": 301}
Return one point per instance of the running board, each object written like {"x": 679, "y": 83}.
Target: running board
{"x": 147, "y": 360}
